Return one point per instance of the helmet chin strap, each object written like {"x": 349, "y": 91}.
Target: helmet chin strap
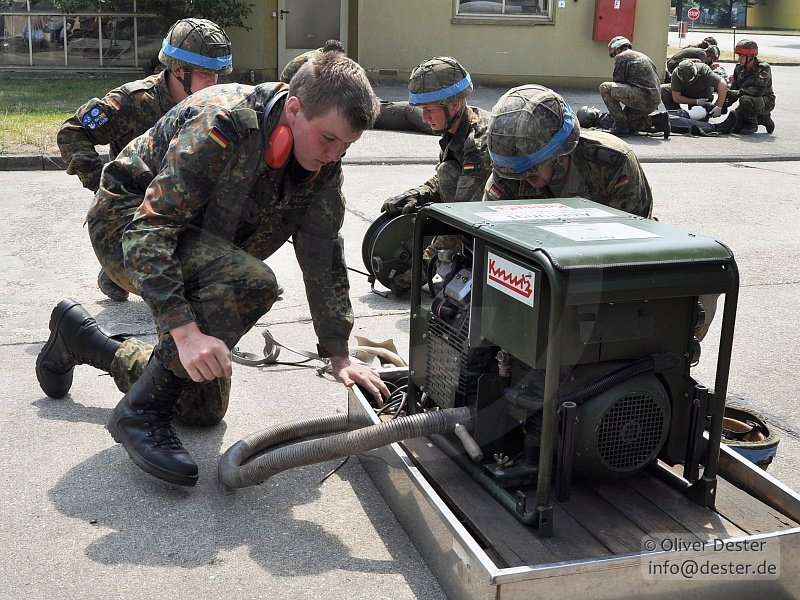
{"x": 186, "y": 80}
{"x": 457, "y": 115}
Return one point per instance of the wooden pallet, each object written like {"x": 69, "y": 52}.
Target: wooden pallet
{"x": 600, "y": 520}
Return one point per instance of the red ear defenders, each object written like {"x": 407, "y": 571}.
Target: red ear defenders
{"x": 279, "y": 147}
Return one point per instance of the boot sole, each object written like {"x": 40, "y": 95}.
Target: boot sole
{"x": 58, "y": 314}
{"x": 141, "y": 462}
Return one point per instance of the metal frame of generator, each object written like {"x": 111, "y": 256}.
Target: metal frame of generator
{"x": 570, "y": 327}
{"x": 584, "y": 301}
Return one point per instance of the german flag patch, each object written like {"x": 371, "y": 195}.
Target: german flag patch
{"x": 216, "y": 135}
{"x": 469, "y": 166}
{"x": 114, "y": 103}
{"x": 622, "y": 181}
{"x": 495, "y": 191}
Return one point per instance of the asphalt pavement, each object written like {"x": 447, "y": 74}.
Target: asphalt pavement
{"x": 79, "y": 520}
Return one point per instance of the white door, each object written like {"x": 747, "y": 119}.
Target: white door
{"x": 305, "y": 25}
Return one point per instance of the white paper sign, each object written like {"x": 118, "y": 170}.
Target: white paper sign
{"x": 592, "y": 232}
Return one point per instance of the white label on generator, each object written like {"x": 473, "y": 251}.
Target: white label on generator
{"x": 593, "y": 232}
{"x": 510, "y": 278}
{"x": 540, "y": 212}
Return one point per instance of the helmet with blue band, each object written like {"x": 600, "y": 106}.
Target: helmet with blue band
{"x": 197, "y": 44}
{"x": 440, "y": 80}
{"x": 530, "y": 125}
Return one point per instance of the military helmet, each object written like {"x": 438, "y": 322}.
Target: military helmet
{"x": 746, "y": 47}
{"x": 589, "y": 116}
{"x": 713, "y": 52}
{"x": 440, "y": 80}
{"x": 687, "y": 70}
{"x": 617, "y": 43}
{"x": 197, "y": 44}
{"x": 530, "y": 125}
{"x": 710, "y": 41}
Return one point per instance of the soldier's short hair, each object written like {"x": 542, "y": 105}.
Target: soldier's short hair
{"x": 332, "y": 81}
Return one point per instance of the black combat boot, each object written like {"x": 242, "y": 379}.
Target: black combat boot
{"x": 766, "y": 121}
{"x": 141, "y": 423}
{"x": 111, "y": 289}
{"x": 75, "y": 339}
{"x": 728, "y": 125}
{"x": 660, "y": 121}
{"x": 747, "y": 128}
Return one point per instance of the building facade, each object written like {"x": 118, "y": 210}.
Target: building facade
{"x": 552, "y": 42}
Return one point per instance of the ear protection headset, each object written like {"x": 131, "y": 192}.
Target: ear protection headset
{"x": 279, "y": 146}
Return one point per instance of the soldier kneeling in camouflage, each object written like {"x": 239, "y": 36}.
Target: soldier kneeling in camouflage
{"x": 185, "y": 217}
{"x": 440, "y": 87}
{"x": 751, "y": 85}
{"x": 195, "y": 52}
{"x": 538, "y": 150}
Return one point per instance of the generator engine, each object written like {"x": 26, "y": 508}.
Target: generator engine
{"x": 570, "y": 327}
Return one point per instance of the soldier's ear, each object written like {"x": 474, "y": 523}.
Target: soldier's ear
{"x": 293, "y": 106}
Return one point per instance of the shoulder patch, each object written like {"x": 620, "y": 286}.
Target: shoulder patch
{"x": 495, "y": 191}
{"x": 95, "y": 117}
{"x": 609, "y": 156}
{"x": 136, "y": 86}
{"x": 220, "y": 138}
{"x": 621, "y": 181}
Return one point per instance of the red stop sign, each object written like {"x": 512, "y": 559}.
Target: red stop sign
{"x": 693, "y": 13}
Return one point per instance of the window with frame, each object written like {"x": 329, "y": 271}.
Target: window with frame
{"x": 538, "y": 10}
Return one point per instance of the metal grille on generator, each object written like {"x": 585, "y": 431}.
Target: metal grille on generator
{"x": 629, "y": 434}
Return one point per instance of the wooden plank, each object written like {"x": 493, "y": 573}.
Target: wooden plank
{"x": 605, "y": 522}
{"x": 703, "y": 522}
{"x": 516, "y": 543}
{"x": 748, "y": 513}
{"x": 645, "y": 513}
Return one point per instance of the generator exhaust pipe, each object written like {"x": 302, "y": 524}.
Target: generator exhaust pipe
{"x": 235, "y": 471}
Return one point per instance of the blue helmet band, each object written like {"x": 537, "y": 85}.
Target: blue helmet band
{"x": 520, "y": 164}
{"x": 439, "y": 95}
{"x": 204, "y": 62}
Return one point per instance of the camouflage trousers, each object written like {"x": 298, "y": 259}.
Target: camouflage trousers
{"x": 669, "y": 103}
{"x": 401, "y": 116}
{"x": 228, "y": 289}
{"x": 752, "y": 107}
{"x": 639, "y": 103}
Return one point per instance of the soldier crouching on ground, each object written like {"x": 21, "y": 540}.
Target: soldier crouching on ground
{"x": 636, "y": 87}
{"x": 440, "y": 88}
{"x": 185, "y": 217}
{"x": 538, "y": 150}
{"x": 751, "y": 85}
{"x": 195, "y": 52}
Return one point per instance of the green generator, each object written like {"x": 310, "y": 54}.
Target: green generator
{"x": 571, "y": 328}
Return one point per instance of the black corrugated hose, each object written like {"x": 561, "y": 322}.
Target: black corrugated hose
{"x": 235, "y": 473}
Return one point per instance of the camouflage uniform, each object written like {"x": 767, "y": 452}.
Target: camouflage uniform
{"x": 701, "y": 88}
{"x": 602, "y": 168}
{"x": 753, "y": 90}
{"x": 636, "y": 86}
{"x": 186, "y": 215}
{"x": 114, "y": 120}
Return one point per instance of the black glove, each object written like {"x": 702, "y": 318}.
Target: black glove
{"x": 401, "y": 204}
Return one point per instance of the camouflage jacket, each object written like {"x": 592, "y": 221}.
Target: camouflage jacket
{"x": 464, "y": 163}
{"x": 755, "y": 82}
{"x": 636, "y": 69}
{"x": 121, "y": 115}
{"x": 602, "y": 168}
{"x": 202, "y": 166}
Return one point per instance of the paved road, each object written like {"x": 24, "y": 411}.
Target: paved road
{"x": 80, "y": 521}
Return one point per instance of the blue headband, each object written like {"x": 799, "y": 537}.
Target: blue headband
{"x": 439, "y": 95}
{"x": 520, "y": 164}
{"x": 204, "y": 62}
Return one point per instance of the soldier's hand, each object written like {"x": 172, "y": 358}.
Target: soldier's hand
{"x": 350, "y": 374}
{"x": 402, "y": 203}
{"x": 204, "y": 357}
{"x": 88, "y": 170}
{"x": 716, "y": 111}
